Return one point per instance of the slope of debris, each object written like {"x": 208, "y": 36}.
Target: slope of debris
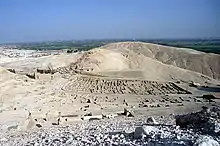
{"x": 89, "y": 84}
{"x": 127, "y": 131}
{"x": 205, "y": 63}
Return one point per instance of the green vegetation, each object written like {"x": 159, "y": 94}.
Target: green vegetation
{"x": 72, "y": 50}
{"x": 209, "y": 46}
{"x": 77, "y": 45}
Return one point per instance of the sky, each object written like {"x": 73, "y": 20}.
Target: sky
{"x": 47, "y": 20}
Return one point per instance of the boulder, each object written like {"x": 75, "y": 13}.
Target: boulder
{"x": 206, "y": 121}
{"x": 95, "y": 117}
{"x": 31, "y": 75}
{"x": 145, "y": 130}
{"x": 192, "y": 84}
{"x": 128, "y": 113}
{"x": 209, "y": 97}
{"x": 110, "y": 115}
{"x": 11, "y": 70}
{"x": 151, "y": 120}
{"x": 148, "y": 130}
{"x": 139, "y": 133}
{"x": 206, "y": 141}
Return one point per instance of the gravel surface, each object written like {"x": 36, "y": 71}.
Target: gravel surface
{"x": 117, "y": 131}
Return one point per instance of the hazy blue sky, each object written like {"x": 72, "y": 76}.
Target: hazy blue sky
{"x": 39, "y": 20}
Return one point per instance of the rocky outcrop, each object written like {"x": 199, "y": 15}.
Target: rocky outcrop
{"x": 206, "y": 121}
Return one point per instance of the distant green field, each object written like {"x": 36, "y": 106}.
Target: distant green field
{"x": 203, "y": 48}
{"x": 209, "y": 46}
{"x": 79, "y": 45}
{"x": 208, "y": 49}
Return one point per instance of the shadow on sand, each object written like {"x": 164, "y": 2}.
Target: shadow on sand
{"x": 210, "y": 89}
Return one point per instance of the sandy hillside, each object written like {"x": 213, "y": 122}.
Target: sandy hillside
{"x": 32, "y": 64}
{"x": 101, "y": 82}
{"x": 205, "y": 63}
{"x": 132, "y": 60}
{"x": 122, "y": 60}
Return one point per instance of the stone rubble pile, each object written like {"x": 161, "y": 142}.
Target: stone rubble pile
{"x": 152, "y": 131}
{"x": 121, "y": 86}
{"x": 206, "y": 121}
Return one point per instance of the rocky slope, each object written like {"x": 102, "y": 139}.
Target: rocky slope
{"x": 136, "y": 60}
{"x": 74, "y": 104}
{"x": 126, "y": 131}
{"x": 205, "y": 63}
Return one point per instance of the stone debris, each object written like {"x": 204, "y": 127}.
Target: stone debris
{"x": 31, "y": 75}
{"x": 95, "y": 117}
{"x": 46, "y": 71}
{"x": 128, "y": 113}
{"x": 141, "y": 132}
{"x": 151, "y": 120}
{"x": 206, "y": 141}
{"x": 3, "y": 139}
{"x": 208, "y": 97}
{"x": 193, "y": 84}
{"x": 39, "y": 125}
{"x": 93, "y": 84}
{"x": 206, "y": 121}
{"x": 88, "y": 101}
{"x": 117, "y": 131}
{"x": 77, "y": 88}
{"x": 11, "y": 70}
{"x": 110, "y": 115}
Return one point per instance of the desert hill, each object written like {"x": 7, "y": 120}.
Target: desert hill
{"x": 5, "y": 75}
{"x": 205, "y": 63}
{"x": 149, "y": 61}
{"x": 131, "y": 60}
{"x": 100, "y": 84}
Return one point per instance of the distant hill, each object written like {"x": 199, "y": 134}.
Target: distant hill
{"x": 149, "y": 61}
{"x": 205, "y": 63}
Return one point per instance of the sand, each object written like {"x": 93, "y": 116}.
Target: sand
{"x": 103, "y": 81}
{"x": 205, "y": 63}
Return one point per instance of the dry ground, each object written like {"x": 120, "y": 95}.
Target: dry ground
{"x": 103, "y": 81}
